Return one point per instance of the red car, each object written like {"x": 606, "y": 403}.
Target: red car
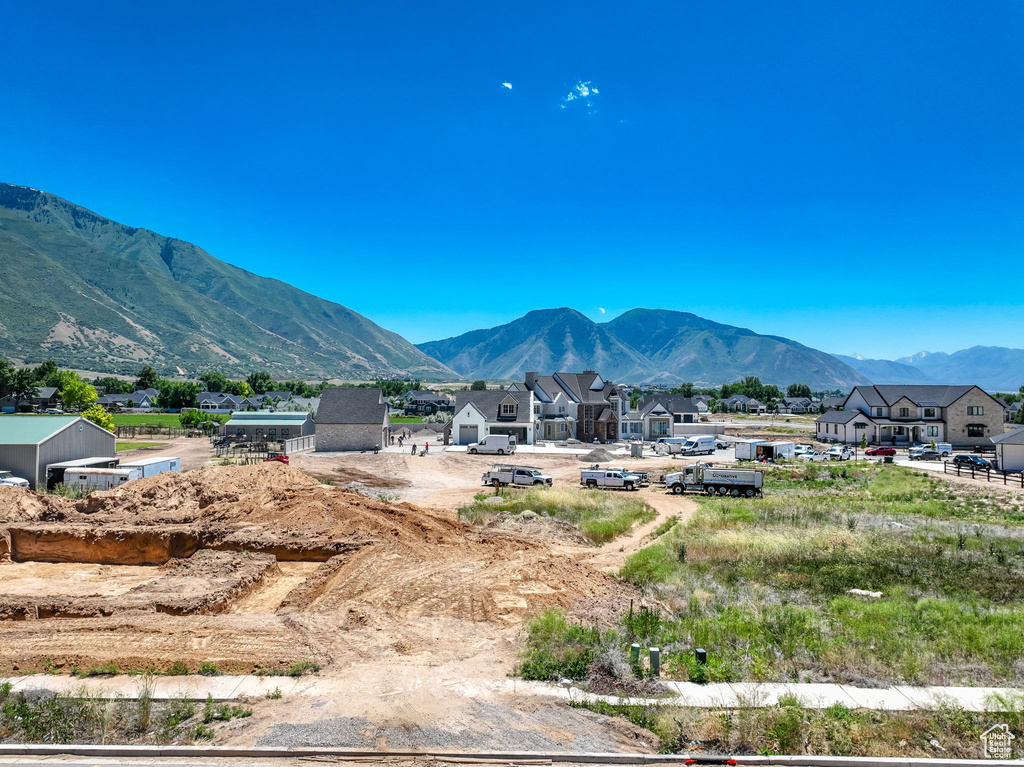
{"x": 279, "y": 458}
{"x": 880, "y": 451}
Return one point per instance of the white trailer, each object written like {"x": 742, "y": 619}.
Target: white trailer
{"x": 504, "y": 474}
{"x": 153, "y": 466}
{"x": 99, "y": 479}
{"x": 775, "y": 451}
{"x": 746, "y": 449}
{"x": 702, "y": 478}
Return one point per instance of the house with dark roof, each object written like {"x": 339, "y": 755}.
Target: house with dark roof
{"x": 137, "y": 400}
{"x": 427, "y": 403}
{"x": 575, "y": 405}
{"x": 1010, "y": 450}
{"x": 737, "y": 403}
{"x": 479, "y": 413}
{"x": 352, "y": 419}
{"x": 756, "y": 406}
{"x": 964, "y": 416}
{"x": 796, "y": 406}
{"x": 651, "y": 421}
{"x": 831, "y": 403}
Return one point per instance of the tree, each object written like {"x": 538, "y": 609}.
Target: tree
{"x": 111, "y": 385}
{"x": 1019, "y": 418}
{"x": 863, "y": 441}
{"x": 478, "y": 386}
{"x": 45, "y": 370}
{"x": 193, "y": 417}
{"x": 100, "y": 417}
{"x": 24, "y": 386}
{"x": 798, "y": 390}
{"x": 61, "y": 379}
{"x": 78, "y": 395}
{"x": 214, "y": 381}
{"x": 686, "y": 389}
{"x": 148, "y": 378}
{"x": 179, "y": 395}
{"x": 6, "y": 377}
{"x": 260, "y": 382}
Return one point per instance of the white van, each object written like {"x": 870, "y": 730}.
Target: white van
{"x": 700, "y": 444}
{"x": 497, "y": 444}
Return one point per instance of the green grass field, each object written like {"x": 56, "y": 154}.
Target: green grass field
{"x": 406, "y": 419}
{"x": 122, "y": 446}
{"x": 136, "y": 419}
{"x": 766, "y": 585}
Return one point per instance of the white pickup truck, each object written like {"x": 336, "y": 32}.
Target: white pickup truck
{"x": 839, "y": 453}
{"x": 8, "y": 479}
{"x": 615, "y": 478}
{"x": 702, "y": 478}
{"x": 503, "y": 474}
{"x": 643, "y": 477}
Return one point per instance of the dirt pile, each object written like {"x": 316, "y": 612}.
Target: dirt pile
{"x": 597, "y": 455}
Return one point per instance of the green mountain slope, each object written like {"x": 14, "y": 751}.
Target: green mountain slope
{"x": 545, "y": 340}
{"x": 86, "y": 291}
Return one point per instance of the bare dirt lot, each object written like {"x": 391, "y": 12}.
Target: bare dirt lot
{"x": 414, "y": 613}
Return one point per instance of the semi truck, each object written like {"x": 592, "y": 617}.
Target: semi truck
{"x": 703, "y": 478}
{"x": 594, "y": 478}
{"x": 503, "y": 474}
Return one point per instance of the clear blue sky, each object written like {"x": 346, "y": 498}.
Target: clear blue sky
{"x": 850, "y": 175}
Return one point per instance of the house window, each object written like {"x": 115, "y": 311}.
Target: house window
{"x": 904, "y": 412}
{"x": 636, "y": 427}
{"x": 975, "y": 429}
{"x": 561, "y": 408}
{"x": 929, "y": 412}
{"x": 878, "y": 411}
{"x": 933, "y": 431}
{"x": 835, "y": 428}
{"x": 659, "y": 429}
{"x": 562, "y": 428}
{"x": 625, "y": 428}
{"x": 507, "y": 408}
{"x": 536, "y": 409}
{"x": 975, "y": 410}
{"x": 588, "y": 427}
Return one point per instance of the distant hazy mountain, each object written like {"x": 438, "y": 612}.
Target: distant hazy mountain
{"x": 546, "y": 340}
{"x": 86, "y": 291}
{"x": 996, "y": 368}
{"x": 885, "y": 371}
{"x": 642, "y": 345}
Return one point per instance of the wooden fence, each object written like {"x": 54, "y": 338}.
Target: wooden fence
{"x": 1014, "y": 478}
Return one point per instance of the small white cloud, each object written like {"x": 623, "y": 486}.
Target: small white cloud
{"x": 601, "y": 309}
{"x": 582, "y": 93}
{"x": 507, "y": 85}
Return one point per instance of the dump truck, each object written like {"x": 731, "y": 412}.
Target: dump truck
{"x": 703, "y": 478}
{"x": 504, "y": 474}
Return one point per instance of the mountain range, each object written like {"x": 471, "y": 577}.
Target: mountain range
{"x": 994, "y": 368}
{"x": 639, "y": 346}
{"x": 94, "y": 294}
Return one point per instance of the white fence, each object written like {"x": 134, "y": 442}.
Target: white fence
{"x": 298, "y": 444}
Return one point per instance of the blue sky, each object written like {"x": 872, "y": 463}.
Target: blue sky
{"x": 848, "y": 175}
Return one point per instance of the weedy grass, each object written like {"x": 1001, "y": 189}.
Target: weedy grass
{"x": 600, "y": 516}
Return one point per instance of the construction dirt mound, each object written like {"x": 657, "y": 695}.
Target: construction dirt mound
{"x": 380, "y": 564}
{"x": 598, "y": 455}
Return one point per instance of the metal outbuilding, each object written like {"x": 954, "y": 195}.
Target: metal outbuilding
{"x": 30, "y": 443}
{"x": 266, "y": 426}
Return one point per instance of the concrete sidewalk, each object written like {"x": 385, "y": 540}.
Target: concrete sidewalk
{"x": 720, "y": 695}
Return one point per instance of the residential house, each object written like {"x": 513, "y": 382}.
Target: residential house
{"x": 352, "y": 419}
{"x": 651, "y": 421}
{"x": 479, "y": 413}
{"x": 137, "y": 400}
{"x": 1012, "y": 410}
{"x": 831, "y": 403}
{"x": 756, "y": 406}
{"x": 961, "y": 415}
{"x": 737, "y": 403}
{"x": 427, "y": 403}
{"x": 703, "y": 402}
{"x": 219, "y": 402}
{"x": 1010, "y": 450}
{"x": 46, "y": 397}
{"x": 796, "y": 406}
{"x": 589, "y": 407}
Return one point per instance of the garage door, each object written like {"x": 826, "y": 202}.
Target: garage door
{"x": 467, "y": 434}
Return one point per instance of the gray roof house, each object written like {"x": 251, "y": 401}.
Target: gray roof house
{"x": 1010, "y": 450}
{"x": 593, "y": 406}
{"x": 479, "y": 413}
{"x": 352, "y": 419}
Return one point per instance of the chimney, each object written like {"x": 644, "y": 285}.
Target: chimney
{"x": 531, "y": 381}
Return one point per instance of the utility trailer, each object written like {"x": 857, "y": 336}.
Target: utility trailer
{"x": 703, "y": 478}
{"x": 152, "y": 466}
{"x": 746, "y": 449}
{"x": 505, "y": 474}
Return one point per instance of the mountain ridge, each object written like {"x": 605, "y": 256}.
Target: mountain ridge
{"x": 994, "y": 368}
{"x": 127, "y": 296}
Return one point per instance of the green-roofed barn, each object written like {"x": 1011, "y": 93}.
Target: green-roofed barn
{"x": 269, "y": 426}
{"x": 28, "y": 443}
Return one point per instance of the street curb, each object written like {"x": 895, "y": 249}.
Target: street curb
{"x": 497, "y": 756}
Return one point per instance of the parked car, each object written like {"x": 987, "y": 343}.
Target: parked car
{"x": 839, "y": 453}
{"x": 721, "y": 444}
{"x": 880, "y": 451}
{"x": 7, "y": 479}
{"x": 814, "y": 455}
{"x": 974, "y": 461}
{"x": 925, "y": 455}
{"x": 800, "y": 450}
